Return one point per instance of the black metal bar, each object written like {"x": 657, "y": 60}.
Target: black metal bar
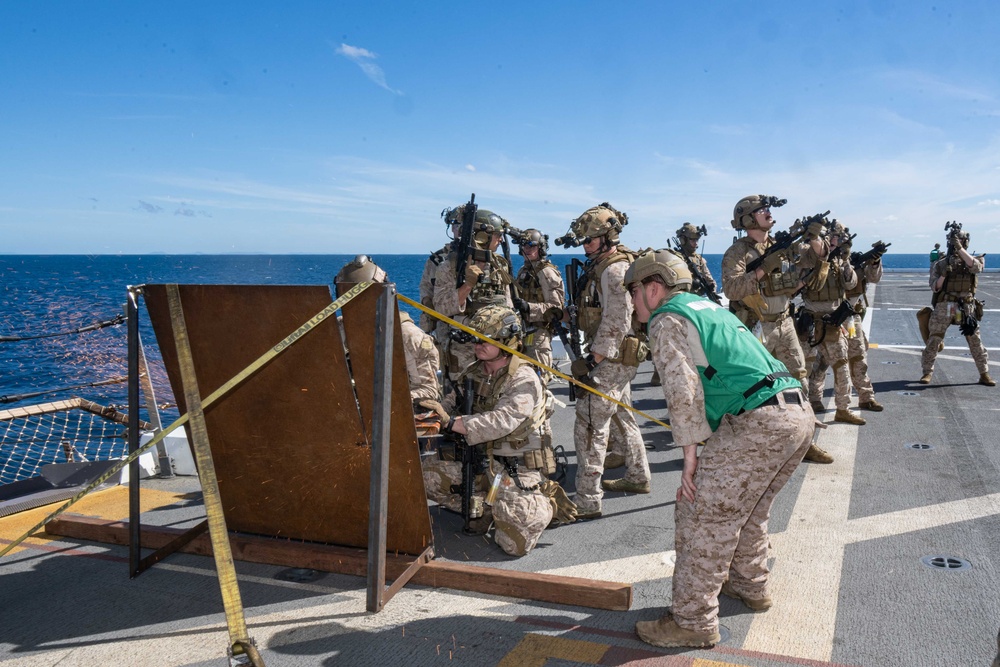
{"x": 174, "y": 545}
{"x": 378, "y": 497}
{"x": 134, "y": 516}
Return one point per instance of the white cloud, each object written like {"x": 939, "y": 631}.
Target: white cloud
{"x": 470, "y": 167}
{"x": 990, "y": 202}
{"x": 364, "y": 58}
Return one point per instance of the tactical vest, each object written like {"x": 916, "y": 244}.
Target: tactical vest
{"x": 832, "y": 290}
{"x": 529, "y": 282}
{"x": 492, "y": 285}
{"x": 488, "y": 391}
{"x": 697, "y": 286}
{"x": 771, "y": 303}
{"x": 960, "y": 282}
{"x": 588, "y": 300}
{"x": 741, "y": 374}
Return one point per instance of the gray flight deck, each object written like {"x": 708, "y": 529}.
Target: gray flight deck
{"x": 853, "y": 546}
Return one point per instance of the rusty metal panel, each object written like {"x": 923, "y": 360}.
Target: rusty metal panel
{"x": 290, "y": 448}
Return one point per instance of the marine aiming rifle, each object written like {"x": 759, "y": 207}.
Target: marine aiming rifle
{"x": 858, "y": 259}
{"x": 465, "y": 239}
{"x": 698, "y": 277}
{"x": 784, "y": 240}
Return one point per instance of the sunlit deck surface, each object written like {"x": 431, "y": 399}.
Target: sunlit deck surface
{"x": 849, "y": 541}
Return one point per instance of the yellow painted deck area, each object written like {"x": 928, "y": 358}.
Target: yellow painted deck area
{"x": 109, "y": 504}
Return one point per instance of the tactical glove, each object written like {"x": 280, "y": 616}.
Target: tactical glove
{"x": 436, "y": 407}
{"x": 554, "y": 315}
{"x": 472, "y": 274}
{"x": 818, "y": 277}
{"x": 581, "y": 370}
{"x": 772, "y": 262}
{"x": 564, "y": 510}
{"x": 521, "y": 305}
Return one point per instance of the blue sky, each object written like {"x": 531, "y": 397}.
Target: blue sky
{"x": 343, "y": 127}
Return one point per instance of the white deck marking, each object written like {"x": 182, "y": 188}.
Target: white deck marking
{"x": 809, "y": 556}
{"x": 628, "y": 570}
{"x": 907, "y": 521}
{"x": 917, "y": 350}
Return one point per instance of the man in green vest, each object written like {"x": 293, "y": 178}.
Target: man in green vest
{"x": 727, "y": 393}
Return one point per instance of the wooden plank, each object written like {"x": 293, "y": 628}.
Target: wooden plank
{"x": 344, "y": 560}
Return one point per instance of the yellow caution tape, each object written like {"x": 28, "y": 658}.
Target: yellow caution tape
{"x": 535, "y": 362}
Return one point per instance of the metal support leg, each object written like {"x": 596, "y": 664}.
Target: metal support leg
{"x": 385, "y": 315}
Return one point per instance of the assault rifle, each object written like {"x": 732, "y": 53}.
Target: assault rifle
{"x": 839, "y": 250}
{"x": 571, "y": 339}
{"x": 700, "y": 284}
{"x": 784, "y": 240}
{"x": 465, "y": 239}
{"x": 858, "y": 260}
{"x": 472, "y": 462}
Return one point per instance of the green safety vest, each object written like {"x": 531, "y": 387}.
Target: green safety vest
{"x": 741, "y": 374}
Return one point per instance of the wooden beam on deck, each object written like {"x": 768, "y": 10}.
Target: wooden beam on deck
{"x": 345, "y": 560}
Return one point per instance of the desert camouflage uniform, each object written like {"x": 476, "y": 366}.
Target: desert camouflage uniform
{"x": 857, "y": 341}
{"x": 777, "y": 329}
{"x": 493, "y": 288}
{"x": 594, "y": 414}
{"x": 427, "y": 322}
{"x": 948, "y": 305}
{"x": 742, "y": 466}
{"x": 832, "y": 343}
{"x": 541, "y": 285}
{"x": 520, "y": 515}
{"x": 699, "y": 263}
{"x": 421, "y": 360}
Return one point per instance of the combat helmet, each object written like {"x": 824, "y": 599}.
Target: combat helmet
{"x": 487, "y": 223}
{"x": 665, "y": 263}
{"x": 745, "y": 208}
{"x": 533, "y": 237}
{"x": 602, "y": 220}
{"x": 360, "y": 269}
{"x": 689, "y": 231}
{"x": 498, "y": 323}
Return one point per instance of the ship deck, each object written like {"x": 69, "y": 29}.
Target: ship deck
{"x": 853, "y": 579}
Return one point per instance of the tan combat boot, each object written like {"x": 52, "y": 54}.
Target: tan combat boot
{"x": 625, "y": 486}
{"x": 817, "y": 455}
{"x": 925, "y": 378}
{"x": 665, "y": 633}
{"x": 848, "y": 417}
{"x": 817, "y": 406}
{"x": 987, "y": 380}
{"x": 871, "y": 406}
{"x": 756, "y": 604}
{"x": 612, "y": 461}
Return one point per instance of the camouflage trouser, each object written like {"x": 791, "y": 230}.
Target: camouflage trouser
{"x": 538, "y": 345}
{"x": 594, "y": 416}
{"x": 944, "y": 316}
{"x": 857, "y": 364}
{"x": 519, "y": 516}
{"x": 723, "y": 533}
{"x": 782, "y": 342}
{"x": 833, "y": 351}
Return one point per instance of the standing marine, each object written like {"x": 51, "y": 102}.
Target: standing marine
{"x": 868, "y": 267}
{"x": 486, "y": 281}
{"x": 760, "y": 298}
{"x": 508, "y": 415}
{"x": 604, "y": 315}
{"x": 953, "y": 280}
{"x": 729, "y": 395}
{"x": 823, "y": 315}
{"x": 427, "y": 279}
